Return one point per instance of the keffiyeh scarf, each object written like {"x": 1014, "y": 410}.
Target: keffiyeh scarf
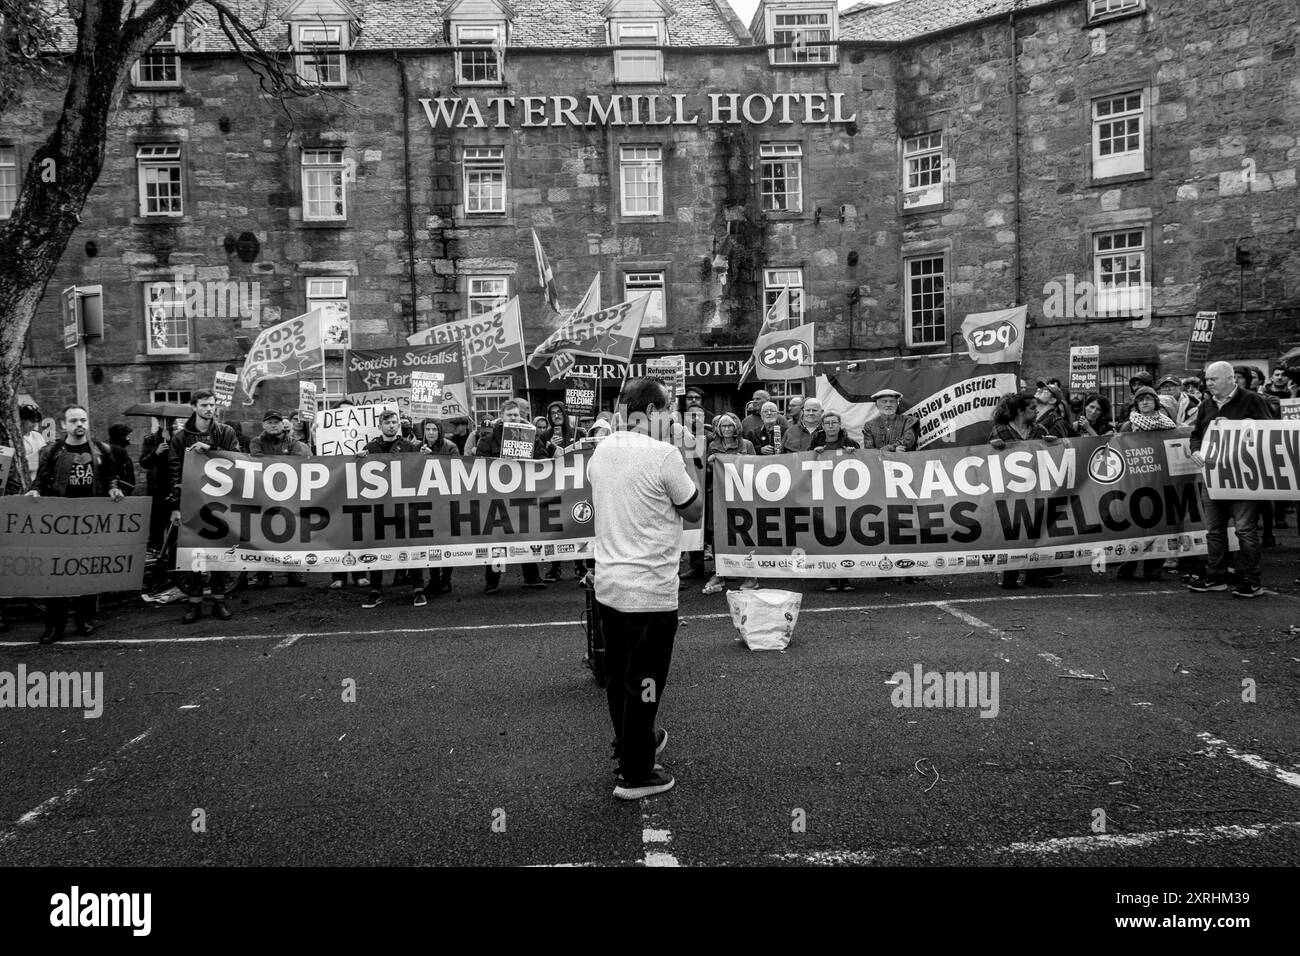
{"x": 1150, "y": 423}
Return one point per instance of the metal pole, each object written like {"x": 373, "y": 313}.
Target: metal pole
{"x": 83, "y": 377}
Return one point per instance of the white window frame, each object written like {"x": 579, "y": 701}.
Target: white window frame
{"x": 782, "y": 391}
{"x": 646, "y": 162}
{"x": 317, "y": 43}
{"x": 780, "y": 156}
{"x": 9, "y": 182}
{"x": 774, "y": 280}
{"x": 651, "y": 282}
{"x": 489, "y": 35}
{"x": 490, "y": 392}
{"x": 157, "y": 157}
{"x": 480, "y": 164}
{"x": 923, "y": 170}
{"x": 330, "y": 295}
{"x": 165, "y": 315}
{"x": 635, "y": 59}
{"x": 333, "y": 377}
{"x": 819, "y": 47}
{"x": 318, "y": 167}
{"x": 483, "y": 293}
{"x": 1105, "y": 9}
{"x": 1108, "y": 112}
{"x": 1119, "y": 257}
{"x": 917, "y": 271}
{"x": 167, "y": 49}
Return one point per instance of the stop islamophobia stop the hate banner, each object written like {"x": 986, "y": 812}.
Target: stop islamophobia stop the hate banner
{"x": 949, "y": 511}
{"x": 387, "y": 511}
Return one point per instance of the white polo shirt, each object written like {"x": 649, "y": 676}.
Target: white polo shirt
{"x": 636, "y": 485}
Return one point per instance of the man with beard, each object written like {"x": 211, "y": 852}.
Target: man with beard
{"x": 890, "y": 431}
{"x": 391, "y": 441}
{"x": 75, "y": 467}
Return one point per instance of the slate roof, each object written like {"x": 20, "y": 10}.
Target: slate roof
{"x": 906, "y": 20}
{"x": 396, "y": 24}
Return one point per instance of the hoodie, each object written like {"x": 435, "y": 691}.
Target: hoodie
{"x": 218, "y": 437}
{"x": 282, "y": 444}
{"x": 443, "y": 445}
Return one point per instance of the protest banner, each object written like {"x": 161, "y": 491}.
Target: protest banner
{"x": 426, "y": 395}
{"x": 952, "y": 511}
{"x": 671, "y": 370}
{"x": 954, "y": 403}
{"x": 1290, "y": 409}
{"x": 1252, "y": 460}
{"x": 1198, "y": 345}
{"x": 580, "y": 396}
{"x": 223, "y": 387}
{"x": 63, "y": 547}
{"x": 995, "y": 337}
{"x": 1085, "y": 368}
{"x": 383, "y": 511}
{"x": 518, "y": 439}
{"x": 284, "y": 351}
{"x": 607, "y": 333}
{"x": 784, "y": 355}
{"x": 347, "y": 429}
{"x": 384, "y": 375}
{"x": 493, "y": 341}
{"x": 6, "y": 465}
{"x": 307, "y": 401}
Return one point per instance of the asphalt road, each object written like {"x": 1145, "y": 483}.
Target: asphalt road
{"x": 477, "y": 736}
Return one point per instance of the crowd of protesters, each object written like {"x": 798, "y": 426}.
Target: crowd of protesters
{"x": 77, "y": 465}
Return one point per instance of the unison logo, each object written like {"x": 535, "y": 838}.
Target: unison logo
{"x": 945, "y": 689}
{"x": 56, "y": 689}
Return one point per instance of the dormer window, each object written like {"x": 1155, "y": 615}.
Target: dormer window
{"x": 636, "y": 59}
{"x": 319, "y": 58}
{"x": 480, "y": 54}
{"x": 161, "y": 66}
{"x": 802, "y": 34}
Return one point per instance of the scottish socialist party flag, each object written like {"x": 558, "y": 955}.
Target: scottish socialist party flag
{"x": 284, "y": 351}
{"x": 610, "y": 333}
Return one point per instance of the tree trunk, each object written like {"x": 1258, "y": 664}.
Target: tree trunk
{"x": 62, "y": 173}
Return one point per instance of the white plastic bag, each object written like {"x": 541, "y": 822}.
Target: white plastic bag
{"x": 765, "y": 617}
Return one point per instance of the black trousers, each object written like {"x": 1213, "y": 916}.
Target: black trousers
{"x": 56, "y": 610}
{"x": 438, "y": 578}
{"x": 532, "y": 573}
{"x": 638, "y": 650}
{"x": 191, "y": 583}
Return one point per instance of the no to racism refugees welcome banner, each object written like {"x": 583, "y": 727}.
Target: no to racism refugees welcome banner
{"x": 1253, "y": 460}
{"x": 383, "y": 511}
{"x": 865, "y": 513}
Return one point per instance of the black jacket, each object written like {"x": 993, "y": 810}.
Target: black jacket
{"x": 52, "y": 472}
{"x": 218, "y": 436}
{"x": 1242, "y": 405}
{"x": 398, "y": 446}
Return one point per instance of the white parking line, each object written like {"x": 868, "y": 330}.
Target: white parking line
{"x": 1003, "y": 635}
{"x": 286, "y": 640}
{"x": 31, "y": 816}
{"x": 651, "y": 837}
{"x": 1273, "y": 770}
{"x": 1075, "y": 844}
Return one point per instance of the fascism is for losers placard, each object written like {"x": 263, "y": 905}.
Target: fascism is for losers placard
{"x": 61, "y": 547}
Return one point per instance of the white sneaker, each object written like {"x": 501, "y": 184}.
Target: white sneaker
{"x": 715, "y": 585}
{"x": 750, "y": 585}
{"x": 335, "y": 585}
{"x": 363, "y": 582}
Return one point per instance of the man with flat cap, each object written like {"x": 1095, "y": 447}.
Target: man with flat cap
{"x": 890, "y": 431}
{"x": 277, "y": 439}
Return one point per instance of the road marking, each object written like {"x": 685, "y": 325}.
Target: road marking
{"x": 1077, "y": 844}
{"x": 286, "y": 640}
{"x": 31, "y": 816}
{"x": 651, "y": 836}
{"x": 1048, "y": 656}
{"x": 1273, "y": 770}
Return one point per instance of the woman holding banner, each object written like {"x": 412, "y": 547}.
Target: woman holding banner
{"x": 1096, "y": 418}
{"x": 727, "y": 440}
{"x": 1014, "y": 421}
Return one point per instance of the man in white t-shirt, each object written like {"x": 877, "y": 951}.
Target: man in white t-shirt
{"x": 33, "y": 441}
{"x": 640, "y": 491}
